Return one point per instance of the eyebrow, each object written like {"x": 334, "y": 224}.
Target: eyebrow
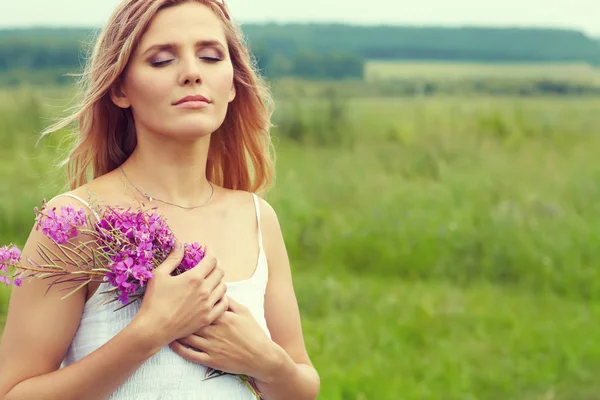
{"x": 171, "y": 46}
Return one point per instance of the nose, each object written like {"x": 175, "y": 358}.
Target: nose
{"x": 190, "y": 73}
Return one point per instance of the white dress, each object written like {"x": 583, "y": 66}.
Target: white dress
{"x": 166, "y": 375}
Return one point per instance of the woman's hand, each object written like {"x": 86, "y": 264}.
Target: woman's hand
{"x": 235, "y": 343}
{"x": 181, "y": 305}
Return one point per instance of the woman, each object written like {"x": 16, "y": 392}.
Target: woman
{"x": 174, "y": 116}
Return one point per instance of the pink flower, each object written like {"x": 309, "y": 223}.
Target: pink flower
{"x": 192, "y": 256}
{"x": 63, "y": 227}
{"x": 10, "y": 258}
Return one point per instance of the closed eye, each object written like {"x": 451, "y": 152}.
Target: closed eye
{"x": 160, "y": 63}
{"x": 211, "y": 59}
{"x": 165, "y": 62}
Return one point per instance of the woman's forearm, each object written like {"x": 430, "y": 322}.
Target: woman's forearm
{"x": 97, "y": 375}
{"x": 290, "y": 380}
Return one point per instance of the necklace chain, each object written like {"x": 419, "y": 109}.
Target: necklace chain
{"x": 152, "y": 198}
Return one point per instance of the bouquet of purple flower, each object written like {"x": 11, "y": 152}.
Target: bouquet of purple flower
{"x": 121, "y": 247}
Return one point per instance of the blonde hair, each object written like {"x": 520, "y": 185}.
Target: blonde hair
{"x": 240, "y": 150}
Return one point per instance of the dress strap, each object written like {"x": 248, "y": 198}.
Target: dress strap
{"x": 257, "y": 208}
{"x": 85, "y": 203}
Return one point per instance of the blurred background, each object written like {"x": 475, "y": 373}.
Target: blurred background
{"x": 437, "y": 181}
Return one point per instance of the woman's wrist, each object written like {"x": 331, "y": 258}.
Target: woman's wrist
{"x": 147, "y": 338}
{"x": 276, "y": 363}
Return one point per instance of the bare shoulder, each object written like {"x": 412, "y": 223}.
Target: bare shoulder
{"x": 73, "y": 198}
{"x": 78, "y": 200}
{"x": 241, "y": 198}
{"x": 106, "y": 189}
{"x": 269, "y": 216}
{"x": 272, "y": 234}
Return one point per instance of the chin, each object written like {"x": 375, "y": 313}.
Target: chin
{"x": 192, "y": 131}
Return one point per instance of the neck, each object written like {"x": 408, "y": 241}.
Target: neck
{"x": 171, "y": 171}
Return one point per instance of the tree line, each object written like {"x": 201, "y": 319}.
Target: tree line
{"x": 430, "y": 43}
{"x": 327, "y": 50}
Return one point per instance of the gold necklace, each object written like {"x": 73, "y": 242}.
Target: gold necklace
{"x": 152, "y": 198}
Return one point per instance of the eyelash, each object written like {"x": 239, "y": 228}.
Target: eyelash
{"x": 208, "y": 59}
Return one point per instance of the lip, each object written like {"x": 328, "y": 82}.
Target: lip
{"x": 197, "y": 99}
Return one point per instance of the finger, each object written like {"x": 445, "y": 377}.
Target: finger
{"x": 224, "y": 319}
{"x": 205, "y": 266}
{"x": 189, "y": 354}
{"x": 215, "y": 277}
{"x": 236, "y": 307}
{"x": 218, "y": 310}
{"x": 208, "y": 332}
{"x": 218, "y": 293}
{"x": 196, "y": 343}
{"x": 172, "y": 261}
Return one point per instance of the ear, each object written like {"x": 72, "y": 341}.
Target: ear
{"x": 118, "y": 96}
{"x": 232, "y": 92}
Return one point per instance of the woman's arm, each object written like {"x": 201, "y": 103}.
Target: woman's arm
{"x": 294, "y": 376}
{"x": 93, "y": 377}
{"x": 38, "y": 332}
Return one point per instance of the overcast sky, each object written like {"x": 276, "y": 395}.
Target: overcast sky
{"x": 582, "y": 15}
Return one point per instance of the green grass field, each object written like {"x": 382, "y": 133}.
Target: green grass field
{"x": 384, "y": 70}
{"x": 443, "y": 248}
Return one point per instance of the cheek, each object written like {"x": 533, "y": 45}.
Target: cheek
{"x": 223, "y": 84}
{"x": 146, "y": 92}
